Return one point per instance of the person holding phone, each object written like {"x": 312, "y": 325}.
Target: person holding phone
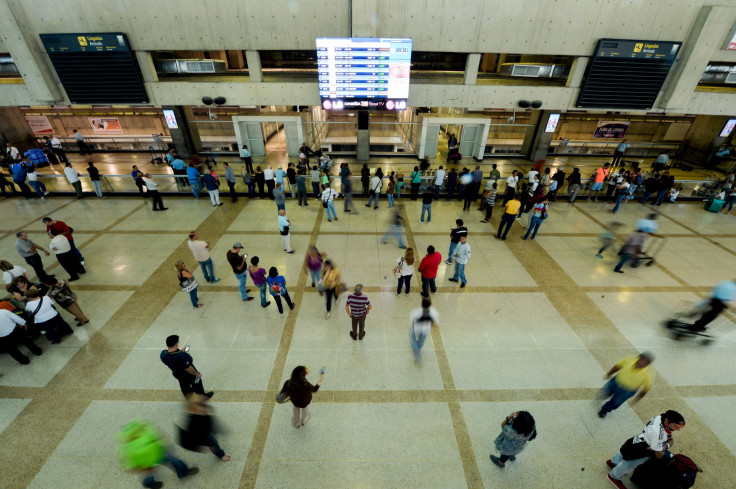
{"x": 239, "y": 265}
{"x": 182, "y": 368}
{"x": 300, "y": 392}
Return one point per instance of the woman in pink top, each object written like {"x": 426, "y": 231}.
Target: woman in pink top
{"x": 314, "y": 265}
{"x": 258, "y": 275}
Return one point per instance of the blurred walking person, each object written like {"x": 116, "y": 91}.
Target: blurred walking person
{"x": 422, "y": 320}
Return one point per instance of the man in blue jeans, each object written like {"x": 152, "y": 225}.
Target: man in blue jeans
{"x": 201, "y": 251}
{"x": 632, "y": 374}
{"x": 193, "y": 175}
{"x": 462, "y": 254}
{"x": 240, "y": 268}
{"x": 142, "y": 450}
{"x": 455, "y": 234}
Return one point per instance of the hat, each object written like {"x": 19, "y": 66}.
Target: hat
{"x": 46, "y": 219}
{"x": 576, "y": 169}
{"x": 238, "y": 245}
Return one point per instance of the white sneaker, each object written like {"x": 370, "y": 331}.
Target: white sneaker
{"x": 327, "y": 316}
{"x": 47, "y": 192}
{"x": 82, "y": 262}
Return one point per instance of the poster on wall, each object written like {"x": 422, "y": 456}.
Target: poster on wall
{"x": 106, "y": 125}
{"x": 39, "y": 124}
{"x": 611, "y": 129}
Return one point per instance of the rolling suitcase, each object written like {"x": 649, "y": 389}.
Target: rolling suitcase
{"x": 714, "y": 205}
{"x": 679, "y": 472}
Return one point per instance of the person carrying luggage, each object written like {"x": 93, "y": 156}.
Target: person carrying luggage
{"x": 723, "y": 293}
{"x": 654, "y": 441}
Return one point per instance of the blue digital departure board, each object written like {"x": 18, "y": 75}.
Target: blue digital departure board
{"x": 363, "y": 73}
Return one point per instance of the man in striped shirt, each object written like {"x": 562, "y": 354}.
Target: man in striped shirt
{"x": 357, "y": 308}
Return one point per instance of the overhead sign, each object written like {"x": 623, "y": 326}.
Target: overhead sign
{"x": 611, "y": 129}
{"x": 728, "y": 128}
{"x": 75, "y": 43}
{"x": 170, "y": 119}
{"x": 638, "y": 49}
{"x": 39, "y": 124}
{"x": 552, "y": 122}
{"x": 107, "y": 125}
{"x": 364, "y": 73}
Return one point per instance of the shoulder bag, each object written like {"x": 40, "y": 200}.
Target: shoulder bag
{"x": 187, "y": 284}
{"x": 32, "y": 316}
{"x": 397, "y": 269}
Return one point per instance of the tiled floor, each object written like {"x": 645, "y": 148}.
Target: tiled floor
{"x": 538, "y": 325}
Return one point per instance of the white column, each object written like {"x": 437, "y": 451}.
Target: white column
{"x": 254, "y": 66}
{"x": 472, "y": 62}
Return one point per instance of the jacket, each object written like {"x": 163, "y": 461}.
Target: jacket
{"x": 462, "y": 251}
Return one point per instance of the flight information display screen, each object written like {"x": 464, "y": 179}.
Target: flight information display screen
{"x": 363, "y": 73}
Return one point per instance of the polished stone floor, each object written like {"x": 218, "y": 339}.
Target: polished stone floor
{"x": 538, "y": 325}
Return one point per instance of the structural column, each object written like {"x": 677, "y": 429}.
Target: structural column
{"x": 182, "y": 138}
{"x": 540, "y": 141}
{"x": 471, "y": 68}
{"x": 364, "y": 135}
{"x": 254, "y": 66}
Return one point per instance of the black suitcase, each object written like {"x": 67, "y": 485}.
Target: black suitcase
{"x": 679, "y": 472}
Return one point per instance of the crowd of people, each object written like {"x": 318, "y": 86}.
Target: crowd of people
{"x": 29, "y": 309}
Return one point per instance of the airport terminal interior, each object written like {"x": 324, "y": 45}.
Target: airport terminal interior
{"x": 541, "y": 325}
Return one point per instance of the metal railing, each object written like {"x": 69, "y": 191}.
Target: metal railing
{"x": 115, "y": 143}
{"x": 603, "y": 148}
{"x": 169, "y": 184}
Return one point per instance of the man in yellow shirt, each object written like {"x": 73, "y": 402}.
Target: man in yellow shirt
{"x": 633, "y": 375}
{"x": 508, "y": 218}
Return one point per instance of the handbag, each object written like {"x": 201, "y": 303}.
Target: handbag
{"x": 324, "y": 204}
{"x": 282, "y": 397}
{"x": 397, "y": 269}
{"x": 187, "y": 284}
{"x": 285, "y": 231}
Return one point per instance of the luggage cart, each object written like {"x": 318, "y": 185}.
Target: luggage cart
{"x": 158, "y": 152}
{"x": 679, "y": 324}
{"x": 649, "y": 256}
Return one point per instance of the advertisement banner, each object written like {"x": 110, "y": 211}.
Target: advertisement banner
{"x": 106, "y": 125}
{"x": 611, "y": 129}
{"x": 39, "y": 124}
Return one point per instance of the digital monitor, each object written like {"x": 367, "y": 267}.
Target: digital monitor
{"x": 552, "y": 122}
{"x": 171, "y": 119}
{"x": 728, "y": 128}
{"x": 363, "y": 73}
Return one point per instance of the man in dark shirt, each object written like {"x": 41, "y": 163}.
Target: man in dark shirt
{"x": 455, "y": 234}
{"x": 666, "y": 182}
{"x": 182, "y": 368}
{"x": 291, "y": 176}
{"x": 137, "y": 176}
{"x": 240, "y": 268}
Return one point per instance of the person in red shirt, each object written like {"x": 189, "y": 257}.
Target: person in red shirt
{"x": 428, "y": 267}
{"x": 66, "y": 231}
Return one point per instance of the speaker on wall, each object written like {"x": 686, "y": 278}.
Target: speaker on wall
{"x": 363, "y": 119}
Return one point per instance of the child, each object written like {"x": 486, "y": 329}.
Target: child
{"x": 674, "y": 192}
{"x": 608, "y": 237}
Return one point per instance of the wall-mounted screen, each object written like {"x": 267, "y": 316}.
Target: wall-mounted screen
{"x": 170, "y": 117}
{"x": 552, "y": 122}
{"x": 363, "y": 73}
{"x": 728, "y": 128}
